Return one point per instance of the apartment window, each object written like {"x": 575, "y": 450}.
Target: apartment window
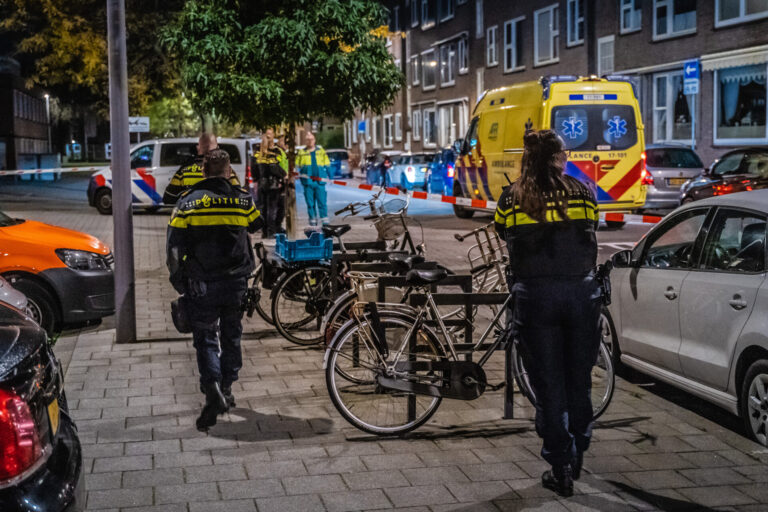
{"x": 480, "y": 79}
{"x": 740, "y": 105}
{"x": 731, "y": 12}
{"x": 631, "y": 16}
{"x": 447, "y": 64}
{"x": 355, "y": 128}
{"x": 446, "y": 9}
{"x": 479, "y": 25}
{"x": 513, "y": 45}
{"x": 416, "y": 123}
{"x": 368, "y": 129}
{"x": 427, "y": 14}
{"x": 430, "y": 127}
{"x": 605, "y": 55}
{"x": 491, "y": 53}
{"x": 671, "y": 108}
{"x": 376, "y": 130}
{"x": 398, "y": 126}
{"x": 428, "y": 70}
{"x": 416, "y": 70}
{"x": 463, "y": 56}
{"x": 415, "y": 13}
{"x": 673, "y": 18}
{"x": 388, "y": 131}
{"x": 546, "y": 36}
{"x": 575, "y": 22}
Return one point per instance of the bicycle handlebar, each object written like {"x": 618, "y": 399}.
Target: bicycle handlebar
{"x": 461, "y": 238}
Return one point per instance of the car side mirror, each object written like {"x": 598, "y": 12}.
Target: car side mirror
{"x": 623, "y": 259}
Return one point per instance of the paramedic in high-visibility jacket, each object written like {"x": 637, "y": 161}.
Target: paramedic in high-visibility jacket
{"x": 313, "y": 162}
{"x": 190, "y": 174}
{"x": 549, "y": 221}
{"x": 209, "y": 257}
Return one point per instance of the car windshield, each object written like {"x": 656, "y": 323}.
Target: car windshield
{"x": 337, "y": 155}
{"x": 6, "y": 221}
{"x": 595, "y": 127}
{"x": 680, "y": 158}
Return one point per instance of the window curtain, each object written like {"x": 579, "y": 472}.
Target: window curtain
{"x": 731, "y": 79}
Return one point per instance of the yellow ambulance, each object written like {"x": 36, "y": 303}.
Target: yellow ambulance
{"x": 597, "y": 118}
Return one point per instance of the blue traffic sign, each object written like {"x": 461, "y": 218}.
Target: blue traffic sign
{"x": 691, "y": 69}
{"x": 360, "y": 126}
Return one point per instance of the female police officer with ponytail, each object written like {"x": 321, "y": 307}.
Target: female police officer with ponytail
{"x": 549, "y": 221}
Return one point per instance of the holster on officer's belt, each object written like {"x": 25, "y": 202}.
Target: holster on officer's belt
{"x": 181, "y": 314}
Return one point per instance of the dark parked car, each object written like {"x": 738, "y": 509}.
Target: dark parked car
{"x": 41, "y": 467}
{"x": 736, "y": 171}
{"x": 441, "y": 173}
{"x": 669, "y": 167}
{"x": 339, "y": 163}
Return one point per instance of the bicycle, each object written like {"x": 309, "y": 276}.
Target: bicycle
{"x": 387, "y": 370}
{"x": 301, "y": 298}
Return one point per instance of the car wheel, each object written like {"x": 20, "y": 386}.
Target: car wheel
{"x": 608, "y": 336}
{"x": 41, "y": 305}
{"x": 461, "y": 211}
{"x": 753, "y": 405}
{"x": 103, "y": 201}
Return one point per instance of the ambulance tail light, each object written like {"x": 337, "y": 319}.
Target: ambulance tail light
{"x": 646, "y": 178}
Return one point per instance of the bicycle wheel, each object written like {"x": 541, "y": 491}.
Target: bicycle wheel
{"x": 299, "y": 303}
{"x": 338, "y": 314}
{"x": 603, "y": 379}
{"x": 264, "y": 304}
{"x": 361, "y": 400}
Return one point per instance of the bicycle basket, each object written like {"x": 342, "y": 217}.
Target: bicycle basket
{"x": 364, "y": 284}
{"x": 394, "y": 206}
{"x": 389, "y": 227}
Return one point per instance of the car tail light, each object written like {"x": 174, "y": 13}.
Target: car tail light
{"x": 451, "y": 171}
{"x": 20, "y": 444}
{"x": 721, "y": 190}
{"x": 646, "y": 178}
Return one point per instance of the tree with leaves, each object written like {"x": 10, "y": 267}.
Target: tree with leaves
{"x": 267, "y": 63}
{"x": 62, "y": 46}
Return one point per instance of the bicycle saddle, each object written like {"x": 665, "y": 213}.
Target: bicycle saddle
{"x": 404, "y": 262}
{"x": 424, "y": 277}
{"x": 332, "y": 230}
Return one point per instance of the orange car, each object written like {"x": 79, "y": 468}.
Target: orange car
{"x": 66, "y": 275}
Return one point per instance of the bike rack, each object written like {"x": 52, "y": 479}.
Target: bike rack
{"x": 468, "y": 300}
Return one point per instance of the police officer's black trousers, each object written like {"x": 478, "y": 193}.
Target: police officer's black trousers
{"x": 216, "y": 330}
{"x": 557, "y": 323}
{"x": 269, "y": 204}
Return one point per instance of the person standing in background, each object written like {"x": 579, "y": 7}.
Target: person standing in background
{"x": 270, "y": 175}
{"x": 313, "y": 162}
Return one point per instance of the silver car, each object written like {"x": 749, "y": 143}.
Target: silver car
{"x": 690, "y": 304}
{"x": 669, "y": 167}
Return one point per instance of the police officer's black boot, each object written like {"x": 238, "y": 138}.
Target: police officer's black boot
{"x": 576, "y": 462}
{"x": 559, "y": 479}
{"x": 228, "y": 396}
{"x": 215, "y": 404}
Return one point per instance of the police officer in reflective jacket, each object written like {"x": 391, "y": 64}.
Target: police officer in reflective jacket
{"x": 190, "y": 174}
{"x": 549, "y": 221}
{"x": 209, "y": 259}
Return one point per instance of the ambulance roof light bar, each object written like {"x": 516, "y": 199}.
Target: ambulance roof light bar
{"x": 632, "y": 80}
{"x": 546, "y": 81}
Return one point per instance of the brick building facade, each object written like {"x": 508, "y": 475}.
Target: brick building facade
{"x": 452, "y": 50}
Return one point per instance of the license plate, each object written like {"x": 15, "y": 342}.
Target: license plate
{"x": 677, "y": 181}
{"x": 53, "y": 416}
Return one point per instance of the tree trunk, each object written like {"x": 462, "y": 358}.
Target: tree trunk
{"x": 291, "y": 214}
{"x": 206, "y": 122}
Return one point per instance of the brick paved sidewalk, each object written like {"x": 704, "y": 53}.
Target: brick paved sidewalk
{"x": 286, "y": 448}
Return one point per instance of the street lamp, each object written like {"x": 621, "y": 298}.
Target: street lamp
{"x": 48, "y": 119}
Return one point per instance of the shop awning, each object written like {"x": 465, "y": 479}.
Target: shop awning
{"x": 735, "y": 58}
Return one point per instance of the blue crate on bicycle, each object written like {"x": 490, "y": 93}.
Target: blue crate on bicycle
{"x": 314, "y": 248}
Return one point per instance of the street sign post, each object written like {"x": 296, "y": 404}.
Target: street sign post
{"x": 691, "y": 79}
{"x": 138, "y": 125}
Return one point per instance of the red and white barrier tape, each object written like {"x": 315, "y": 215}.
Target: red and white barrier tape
{"x": 475, "y": 203}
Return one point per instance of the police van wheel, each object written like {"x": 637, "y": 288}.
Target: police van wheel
{"x": 103, "y": 201}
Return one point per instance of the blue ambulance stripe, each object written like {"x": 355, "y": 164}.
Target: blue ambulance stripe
{"x": 572, "y": 170}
